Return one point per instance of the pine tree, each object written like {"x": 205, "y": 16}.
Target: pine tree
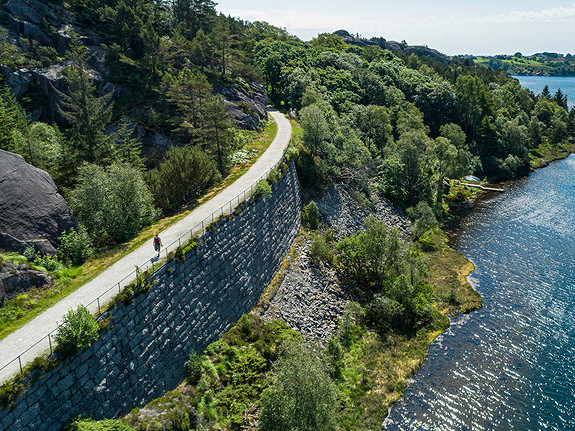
{"x": 571, "y": 123}
{"x": 187, "y": 91}
{"x": 128, "y": 150}
{"x": 223, "y": 40}
{"x": 12, "y": 118}
{"x": 87, "y": 114}
{"x": 202, "y": 50}
{"x": 153, "y": 57}
{"x": 560, "y": 99}
{"x": 216, "y": 130}
{"x": 196, "y": 14}
{"x": 546, "y": 94}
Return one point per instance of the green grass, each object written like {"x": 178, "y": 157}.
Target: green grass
{"x": 375, "y": 375}
{"x": 448, "y": 271}
{"x": 544, "y": 154}
{"x": 18, "y": 311}
{"x": 516, "y": 65}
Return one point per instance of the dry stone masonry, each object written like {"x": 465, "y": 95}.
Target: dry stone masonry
{"x": 190, "y": 304}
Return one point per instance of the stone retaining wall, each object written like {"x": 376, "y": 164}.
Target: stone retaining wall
{"x": 189, "y": 305}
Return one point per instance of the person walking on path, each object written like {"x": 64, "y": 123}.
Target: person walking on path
{"x": 157, "y": 244}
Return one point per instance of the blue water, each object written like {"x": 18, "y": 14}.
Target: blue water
{"x": 537, "y": 83}
{"x": 510, "y": 365}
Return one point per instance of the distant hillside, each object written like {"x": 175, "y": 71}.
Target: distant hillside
{"x": 546, "y": 64}
{"x": 403, "y": 47}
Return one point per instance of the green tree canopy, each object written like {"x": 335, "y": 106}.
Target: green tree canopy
{"x": 113, "y": 202}
{"x": 373, "y": 254}
{"x": 12, "y": 118}
{"x": 302, "y": 397}
{"x": 184, "y": 173}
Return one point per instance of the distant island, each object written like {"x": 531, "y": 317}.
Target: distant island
{"x": 542, "y": 64}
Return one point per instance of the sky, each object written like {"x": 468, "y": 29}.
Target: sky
{"x": 477, "y": 27}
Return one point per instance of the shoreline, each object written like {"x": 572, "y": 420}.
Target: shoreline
{"x": 455, "y": 231}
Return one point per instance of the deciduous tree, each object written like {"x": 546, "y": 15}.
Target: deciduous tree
{"x": 302, "y": 397}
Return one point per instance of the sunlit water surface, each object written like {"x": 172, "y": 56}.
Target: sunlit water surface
{"x": 510, "y": 365}
{"x": 537, "y": 83}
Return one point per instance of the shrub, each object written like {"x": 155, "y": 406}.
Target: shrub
{"x": 112, "y": 202}
{"x": 373, "y": 254}
{"x": 126, "y": 295}
{"x": 432, "y": 240}
{"x": 310, "y": 215}
{"x": 76, "y": 246}
{"x": 274, "y": 176}
{"x": 320, "y": 250}
{"x": 105, "y": 425}
{"x": 185, "y": 172}
{"x": 194, "y": 369}
{"x": 451, "y": 297}
{"x": 351, "y": 323}
{"x": 423, "y": 219}
{"x": 11, "y": 390}
{"x": 263, "y": 190}
{"x": 48, "y": 262}
{"x": 29, "y": 253}
{"x": 385, "y": 314}
{"x": 77, "y": 330}
{"x": 333, "y": 356}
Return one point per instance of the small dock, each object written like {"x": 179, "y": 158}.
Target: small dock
{"x": 487, "y": 189}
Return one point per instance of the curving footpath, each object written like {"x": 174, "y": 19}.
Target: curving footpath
{"x": 115, "y": 276}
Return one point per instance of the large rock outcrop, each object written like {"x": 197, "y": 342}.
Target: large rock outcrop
{"x": 248, "y": 107}
{"x": 32, "y": 212}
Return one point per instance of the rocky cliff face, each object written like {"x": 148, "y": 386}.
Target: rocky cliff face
{"x": 52, "y": 25}
{"x": 340, "y": 211}
{"x": 392, "y": 45}
{"x": 32, "y": 212}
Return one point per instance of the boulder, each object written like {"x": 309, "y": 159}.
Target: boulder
{"x": 32, "y": 212}
{"x": 16, "y": 279}
{"x": 27, "y": 29}
{"x": 25, "y": 10}
{"x": 340, "y": 211}
{"x": 52, "y": 83}
{"x": 247, "y": 110}
{"x": 154, "y": 143}
{"x": 353, "y": 40}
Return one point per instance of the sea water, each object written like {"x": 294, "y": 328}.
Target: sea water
{"x": 537, "y": 83}
{"x": 511, "y": 364}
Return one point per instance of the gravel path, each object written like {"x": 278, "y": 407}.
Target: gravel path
{"x": 32, "y": 337}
